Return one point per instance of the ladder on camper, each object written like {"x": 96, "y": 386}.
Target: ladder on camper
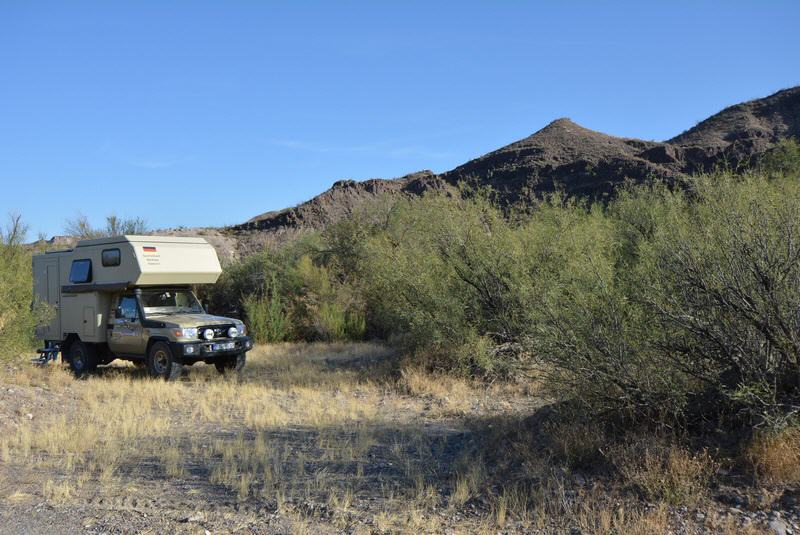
{"x": 46, "y": 354}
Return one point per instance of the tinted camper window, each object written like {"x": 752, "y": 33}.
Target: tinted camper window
{"x": 111, "y": 257}
{"x": 81, "y": 271}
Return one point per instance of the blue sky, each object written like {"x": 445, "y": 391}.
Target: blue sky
{"x": 207, "y": 113}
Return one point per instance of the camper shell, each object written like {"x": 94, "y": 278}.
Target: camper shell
{"x": 120, "y": 297}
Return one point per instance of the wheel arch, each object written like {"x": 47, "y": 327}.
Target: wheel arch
{"x": 153, "y": 340}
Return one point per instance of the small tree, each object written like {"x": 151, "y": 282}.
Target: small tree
{"x": 80, "y": 227}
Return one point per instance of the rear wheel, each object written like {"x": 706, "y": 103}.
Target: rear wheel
{"x": 234, "y": 363}
{"x": 82, "y": 358}
{"x": 162, "y": 363}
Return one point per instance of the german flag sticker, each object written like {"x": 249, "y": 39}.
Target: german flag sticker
{"x": 148, "y": 249}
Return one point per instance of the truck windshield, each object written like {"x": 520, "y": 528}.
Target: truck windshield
{"x": 165, "y": 302}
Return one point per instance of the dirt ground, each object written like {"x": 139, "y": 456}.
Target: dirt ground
{"x": 309, "y": 439}
{"x": 320, "y": 438}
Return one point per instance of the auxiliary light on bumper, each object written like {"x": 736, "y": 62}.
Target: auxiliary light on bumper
{"x": 216, "y": 348}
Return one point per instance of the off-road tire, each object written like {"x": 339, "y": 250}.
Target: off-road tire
{"x": 162, "y": 363}
{"x": 232, "y": 364}
{"x": 82, "y": 358}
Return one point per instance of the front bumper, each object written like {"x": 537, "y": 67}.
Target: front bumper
{"x": 217, "y": 348}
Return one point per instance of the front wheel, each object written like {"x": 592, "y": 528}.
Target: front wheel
{"x": 162, "y": 363}
{"x": 234, "y": 363}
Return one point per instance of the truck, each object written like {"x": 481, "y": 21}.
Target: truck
{"x": 131, "y": 298}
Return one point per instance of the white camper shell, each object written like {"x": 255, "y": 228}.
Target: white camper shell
{"x": 96, "y": 292}
{"x": 79, "y": 281}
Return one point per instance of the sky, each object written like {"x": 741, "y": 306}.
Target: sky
{"x": 207, "y": 113}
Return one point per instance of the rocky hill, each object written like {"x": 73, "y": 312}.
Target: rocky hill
{"x": 565, "y": 155}
{"x": 344, "y": 197}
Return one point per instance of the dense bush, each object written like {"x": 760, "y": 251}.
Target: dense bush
{"x": 287, "y": 295}
{"x": 660, "y": 300}
{"x": 663, "y": 301}
{"x": 18, "y": 315}
{"x": 724, "y": 289}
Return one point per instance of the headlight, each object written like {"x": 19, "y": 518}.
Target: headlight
{"x": 242, "y": 329}
{"x": 208, "y": 334}
{"x": 191, "y": 332}
{"x": 233, "y": 332}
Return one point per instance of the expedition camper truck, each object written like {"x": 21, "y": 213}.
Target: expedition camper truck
{"x": 131, "y": 298}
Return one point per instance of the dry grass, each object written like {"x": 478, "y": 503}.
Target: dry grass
{"x": 451, "y": 395}
{"x": 326, "y": 433}
{"x": 18, "y": 496}
{"x": 302, "y": 425}
{"x": 663, "y": 470}
{"x": 775, "y": 457}
{"x": 575, "y": 442}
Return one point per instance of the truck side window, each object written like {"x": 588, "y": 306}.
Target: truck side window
{"x": 110, "y": 257}
{"x": 80, "y": 271}
{"x": 127, "y": 305}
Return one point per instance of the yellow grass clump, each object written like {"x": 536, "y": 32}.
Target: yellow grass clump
{"x": 775, "y": 456}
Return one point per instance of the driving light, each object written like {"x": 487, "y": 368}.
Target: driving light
{"x": 233, "y": 332}
{"x": 208, "y": 334}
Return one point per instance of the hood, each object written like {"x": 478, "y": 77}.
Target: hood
{"x": 192, "y": 320}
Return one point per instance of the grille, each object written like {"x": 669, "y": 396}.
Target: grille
{"x": 220, "y": 331}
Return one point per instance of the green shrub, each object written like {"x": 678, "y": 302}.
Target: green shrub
{"x": 18, "y": 316}
{"x": 664, "y": 297}
{"x": 783, "y": 159}
{"x": 266, "y": 317}
{"x": 337, "y": 324}
{"x": 285, "y": 295}
{"x": 723, "y": 286}
{"x": 586, "y": 323}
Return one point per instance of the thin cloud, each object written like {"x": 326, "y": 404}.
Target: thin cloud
{"x": 142, "y": 162}
{"x": 383, "y": 148}
{"x": 158, "y": 163}
{"x": 314, "y": 147}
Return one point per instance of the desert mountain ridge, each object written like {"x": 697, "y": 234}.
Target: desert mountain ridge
{"x": 564, "y": 154}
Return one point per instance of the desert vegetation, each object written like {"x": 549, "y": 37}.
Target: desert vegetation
{"x": 448, "y": 363}
{"x": 19, "y": 314}
{"x": 675, "y": 302}
{"x": 323, "y": 438}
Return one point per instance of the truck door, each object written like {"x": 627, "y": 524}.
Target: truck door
{"x": 126, "y": 332}
{"x": 47, "y": 289}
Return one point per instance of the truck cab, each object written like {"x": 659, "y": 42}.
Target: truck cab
{"x": 131, "y": 298}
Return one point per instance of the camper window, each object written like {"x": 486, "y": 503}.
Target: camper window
{"x": 81, "y": 271}
{"x": 111, "y": 257}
